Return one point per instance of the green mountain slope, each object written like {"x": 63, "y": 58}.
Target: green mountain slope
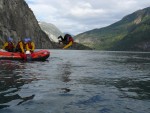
{"x": 138, "y": 39}
{"x": 115, "y": 35}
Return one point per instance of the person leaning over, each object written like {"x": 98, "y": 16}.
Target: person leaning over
{"x": 68, "y": 40}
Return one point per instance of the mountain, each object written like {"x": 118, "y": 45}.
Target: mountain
{"x": 18, "y": 21}
{"x": 51, "y": 30}
{"x": 130, "y": 33}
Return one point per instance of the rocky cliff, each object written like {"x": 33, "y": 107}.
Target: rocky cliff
{"x": 18, "y": 21}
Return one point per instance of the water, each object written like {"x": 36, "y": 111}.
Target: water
{"x": 73, "y": 81}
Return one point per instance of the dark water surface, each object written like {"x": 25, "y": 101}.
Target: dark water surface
{"x": 77, "y": 82}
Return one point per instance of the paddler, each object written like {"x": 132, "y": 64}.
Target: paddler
{"x": 9, "y": 45}
{"x": 67, "y": 40}
{"x": 29, "y": 45}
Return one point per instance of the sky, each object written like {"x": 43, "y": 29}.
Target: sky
{"x": 78, "y": 16}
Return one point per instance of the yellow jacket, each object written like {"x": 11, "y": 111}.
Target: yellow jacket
{"x": 68, "y": 45}
{"x": 20, "y": 46}
{"x": 8, "y": 46}
{"x": 30, "y": 46}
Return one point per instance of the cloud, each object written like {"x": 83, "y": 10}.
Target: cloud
{"x": 84, "y": 10}
{"x": 77, "y": 16}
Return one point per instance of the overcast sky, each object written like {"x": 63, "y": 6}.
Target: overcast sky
{"x": 77, "y": 16}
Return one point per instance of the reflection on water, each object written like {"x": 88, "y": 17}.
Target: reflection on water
{"x": 77, "y": 82}
{"x": 66, "y": 72}
{"x": 134, "y": 88}
{"x": 65, "y": 75}
{"x": 11, "y": 81}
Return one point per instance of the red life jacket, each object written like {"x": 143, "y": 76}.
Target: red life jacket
{"x": 71, "y": 39}
{"x": 10, "y": 47}
{"x": 29, "y": 45}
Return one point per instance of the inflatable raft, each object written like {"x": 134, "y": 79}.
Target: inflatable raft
{"x": 40, "y": 55}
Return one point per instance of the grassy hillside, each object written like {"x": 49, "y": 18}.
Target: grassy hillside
{"x": 137, "y": 39}
{"x": 112, "y": 37}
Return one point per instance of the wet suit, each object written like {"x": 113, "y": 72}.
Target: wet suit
{"x": 69, "y": 41}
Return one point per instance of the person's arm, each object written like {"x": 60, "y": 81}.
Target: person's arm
{"x": 6, "y": 44}
{"x": 33, "y": 46}
{"x": 27, "y": 47}
{"x": 21, "y": 46}
{"x": 68, "y": 45}
{"x": 14, "y": 45}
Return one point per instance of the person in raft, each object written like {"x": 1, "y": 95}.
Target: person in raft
{"x": 20, "y": 46}
{"x": 29, "y": 45}
{"x": 67, "y": 40}
{"x": 25, "y": 45}
{"x": 9, "y": 45}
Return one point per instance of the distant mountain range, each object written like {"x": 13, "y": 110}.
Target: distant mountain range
{"x": 132, "y": 33}
{"x": 51, "y": 30}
